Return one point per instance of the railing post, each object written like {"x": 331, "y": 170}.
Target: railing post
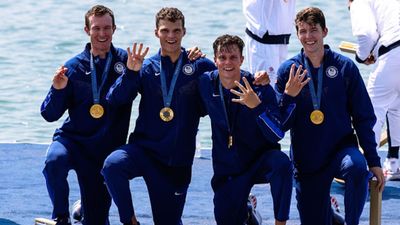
{"x": 375, "y": 203}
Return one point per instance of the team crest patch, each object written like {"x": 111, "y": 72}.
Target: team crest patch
{"x": 188, "y": 69}
{"x": 332, "y": 72}
{"x": 119, "y": 67}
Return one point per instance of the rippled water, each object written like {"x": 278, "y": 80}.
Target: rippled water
{"x": 38, "y": 36}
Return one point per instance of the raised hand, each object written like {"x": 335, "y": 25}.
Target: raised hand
{"x": 135, "y": 59}
{"x": 247, "y": 97}
{"x": 370, "y": 60}
{"x": 195, "y": 53}
{"x": 60, "y": 80}
{"x": 296, "y": 81}
{"x": 261, "y": 78}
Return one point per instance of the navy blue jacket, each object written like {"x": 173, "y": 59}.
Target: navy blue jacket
{"x": 345, "y": 104}
{"x": 248, "y": 139}
{"x": 96, "y": 137}
{"x": 173, "y": 142}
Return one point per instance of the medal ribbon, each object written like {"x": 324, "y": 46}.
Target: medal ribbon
{"x": 167, "y": 95}
{"x": 96, "y": 91}
{"x": 221, "y": 94}
{"x": 316, "y": 97}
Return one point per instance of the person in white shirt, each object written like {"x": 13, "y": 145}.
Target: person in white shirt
{"x": 376, "y": 24}
{"x": 268, "y": 28}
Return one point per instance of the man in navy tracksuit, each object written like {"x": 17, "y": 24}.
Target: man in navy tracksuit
{"x": 242, "y": 155}
{"x": 162, "y": 146}
{"x": 328, "y": 109}
{"x": 93, "y": 128}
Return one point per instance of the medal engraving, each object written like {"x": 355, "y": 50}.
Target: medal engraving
{"x": 96, "y": 111}
{"x": 166, "y": 114}
{"x": 317, "y": 117}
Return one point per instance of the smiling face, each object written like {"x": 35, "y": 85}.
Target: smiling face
{"x": 170, "y": 35}
{"x": 228, "y": 61}
{"x": 311, "y": 38}
{"x": 311, "y": 31}
{"x": 100, "y": 30}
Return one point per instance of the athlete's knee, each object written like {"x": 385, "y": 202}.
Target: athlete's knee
{"x": 357, "y": 172}
{"x": 57, "y": 153}
{"x": 113, "y": 163}
{"x": 57, "y": 161}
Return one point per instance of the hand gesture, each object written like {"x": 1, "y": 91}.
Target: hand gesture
{"x": 60, "y": 80}
{"x": 378, "y": 173}
{"x": 247, "y": 97}
{"x": 135, "y": 59}
{"x": 370, "y": 60}
{"x": 195, "y": 53}
{"x": 261, "y": 78}
{"x": 296, "y": 81}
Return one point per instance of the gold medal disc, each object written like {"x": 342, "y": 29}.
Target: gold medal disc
{"x": 166, "y": 114}
{"x": 317, "y": 117}
{"x": 96, "y": 111}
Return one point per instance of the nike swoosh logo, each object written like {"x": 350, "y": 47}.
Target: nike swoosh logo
{"x": 88, "y": 72}
{"x": 178, "y": 193}
{"x": 157, "y": 74}
{"x": 214, "y": 95}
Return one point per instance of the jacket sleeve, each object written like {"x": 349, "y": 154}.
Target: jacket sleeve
{"x": 270, "y": 118}
{"x": 125, "y": 88}
{"x": 57, "y": 101}
{"x": 55, "y": 104}
{"x": 286, "y": 103}
{"x": 364, "y": 28}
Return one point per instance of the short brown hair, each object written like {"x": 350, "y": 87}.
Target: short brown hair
{"x": 171, "y": 14}
{"x": 98, "y": 10}
{"x": 226, "y": 41}
{"x": 311, "y": 16}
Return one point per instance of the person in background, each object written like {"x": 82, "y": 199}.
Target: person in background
{"x": 328, "y": 110}
{"x": 242, "y": 155}
{"x": 93, "y": 128}
{"x": 376, "y": 24}
{"x": 268, "y": 29}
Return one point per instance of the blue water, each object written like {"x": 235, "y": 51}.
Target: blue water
{"x": 39, "y": 36}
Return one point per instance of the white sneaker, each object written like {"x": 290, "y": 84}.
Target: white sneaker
{"x": 254, "y": 217}
{"x": 391, "y": 169}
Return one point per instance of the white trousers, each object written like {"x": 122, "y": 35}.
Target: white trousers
{"x": 264, "y": 57}
{"x": 384, "y": 91}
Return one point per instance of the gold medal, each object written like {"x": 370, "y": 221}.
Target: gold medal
{"x": 96, "y": 111}
{"x": 166, "y": 114}
{"x": 317, "y": 117}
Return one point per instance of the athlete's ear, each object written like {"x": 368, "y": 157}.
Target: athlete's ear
{"x": 114, "y": 28}
{"x": 87, "y": 30}
{"x": 156, "y": 33}
{"x": 184, "y": 31}
{"x": 325, "y": 32}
